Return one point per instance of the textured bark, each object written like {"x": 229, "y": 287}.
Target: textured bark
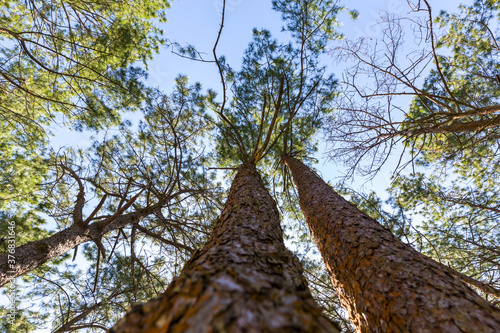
{"x": 34, "y": 254}
{"x": 243, "y": 280}
{"x": 384, "y": 284}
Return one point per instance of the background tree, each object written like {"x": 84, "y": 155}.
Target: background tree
{"x": 147, "y": 189}
{"x": 66, "y": 63}
{"x": 456, "y": 110}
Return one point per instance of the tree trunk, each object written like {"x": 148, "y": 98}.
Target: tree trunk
{"x": 243, "y": 280}
{"x": 34, "y": 254}
{"x": 385, "y": 285}
{"x": 458, "y": 127}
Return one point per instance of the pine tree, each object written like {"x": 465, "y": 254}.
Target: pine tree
{"x": 381, "y": 281}
{"x": 243, "y": 279}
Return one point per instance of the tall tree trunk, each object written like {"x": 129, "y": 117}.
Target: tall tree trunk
{"x": 384, "y": 284}
{"x": 243, "y": 280}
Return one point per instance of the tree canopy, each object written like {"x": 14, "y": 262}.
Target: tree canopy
{"x": 106, "y": 226}
{"x": 68, "y": 62}
{"x": 449, "y": 129}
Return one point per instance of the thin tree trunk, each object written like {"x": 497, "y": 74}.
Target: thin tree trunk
{"x": 471, "y": 126}
{"x": 243, "y": 280}
{"x": 32, "y": 255}
{"x": 384, "y": 284}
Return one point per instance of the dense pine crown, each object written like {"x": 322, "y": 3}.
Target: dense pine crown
{"x": 130, "y": 209}
{"x": 279, "y": 98}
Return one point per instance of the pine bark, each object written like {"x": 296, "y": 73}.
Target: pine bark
{"x": 243, "y": 279}
{"x": 384, "y": 284}
{"x": 34, "y": 254}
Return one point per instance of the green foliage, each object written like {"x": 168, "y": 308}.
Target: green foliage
{"x": 66, "y": 62}
{"x": 23, "y": 321}
{"x": 460, "y": 213}
{"x": 21, "y": 170}
{"x": 461, "y": 89}
{"x": 72, "y": 57}
{"x": 311, "y": 23}
{"x": 457, "y": 194}
{"x": 281, "y": 93}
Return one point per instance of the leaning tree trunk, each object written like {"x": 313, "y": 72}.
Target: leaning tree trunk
{"x": 243, "y": 280}
{"x": 27, "y": 257}
{"x": 384, "y": 284}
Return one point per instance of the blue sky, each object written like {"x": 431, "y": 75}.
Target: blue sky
{"x": 197, "y": 22}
